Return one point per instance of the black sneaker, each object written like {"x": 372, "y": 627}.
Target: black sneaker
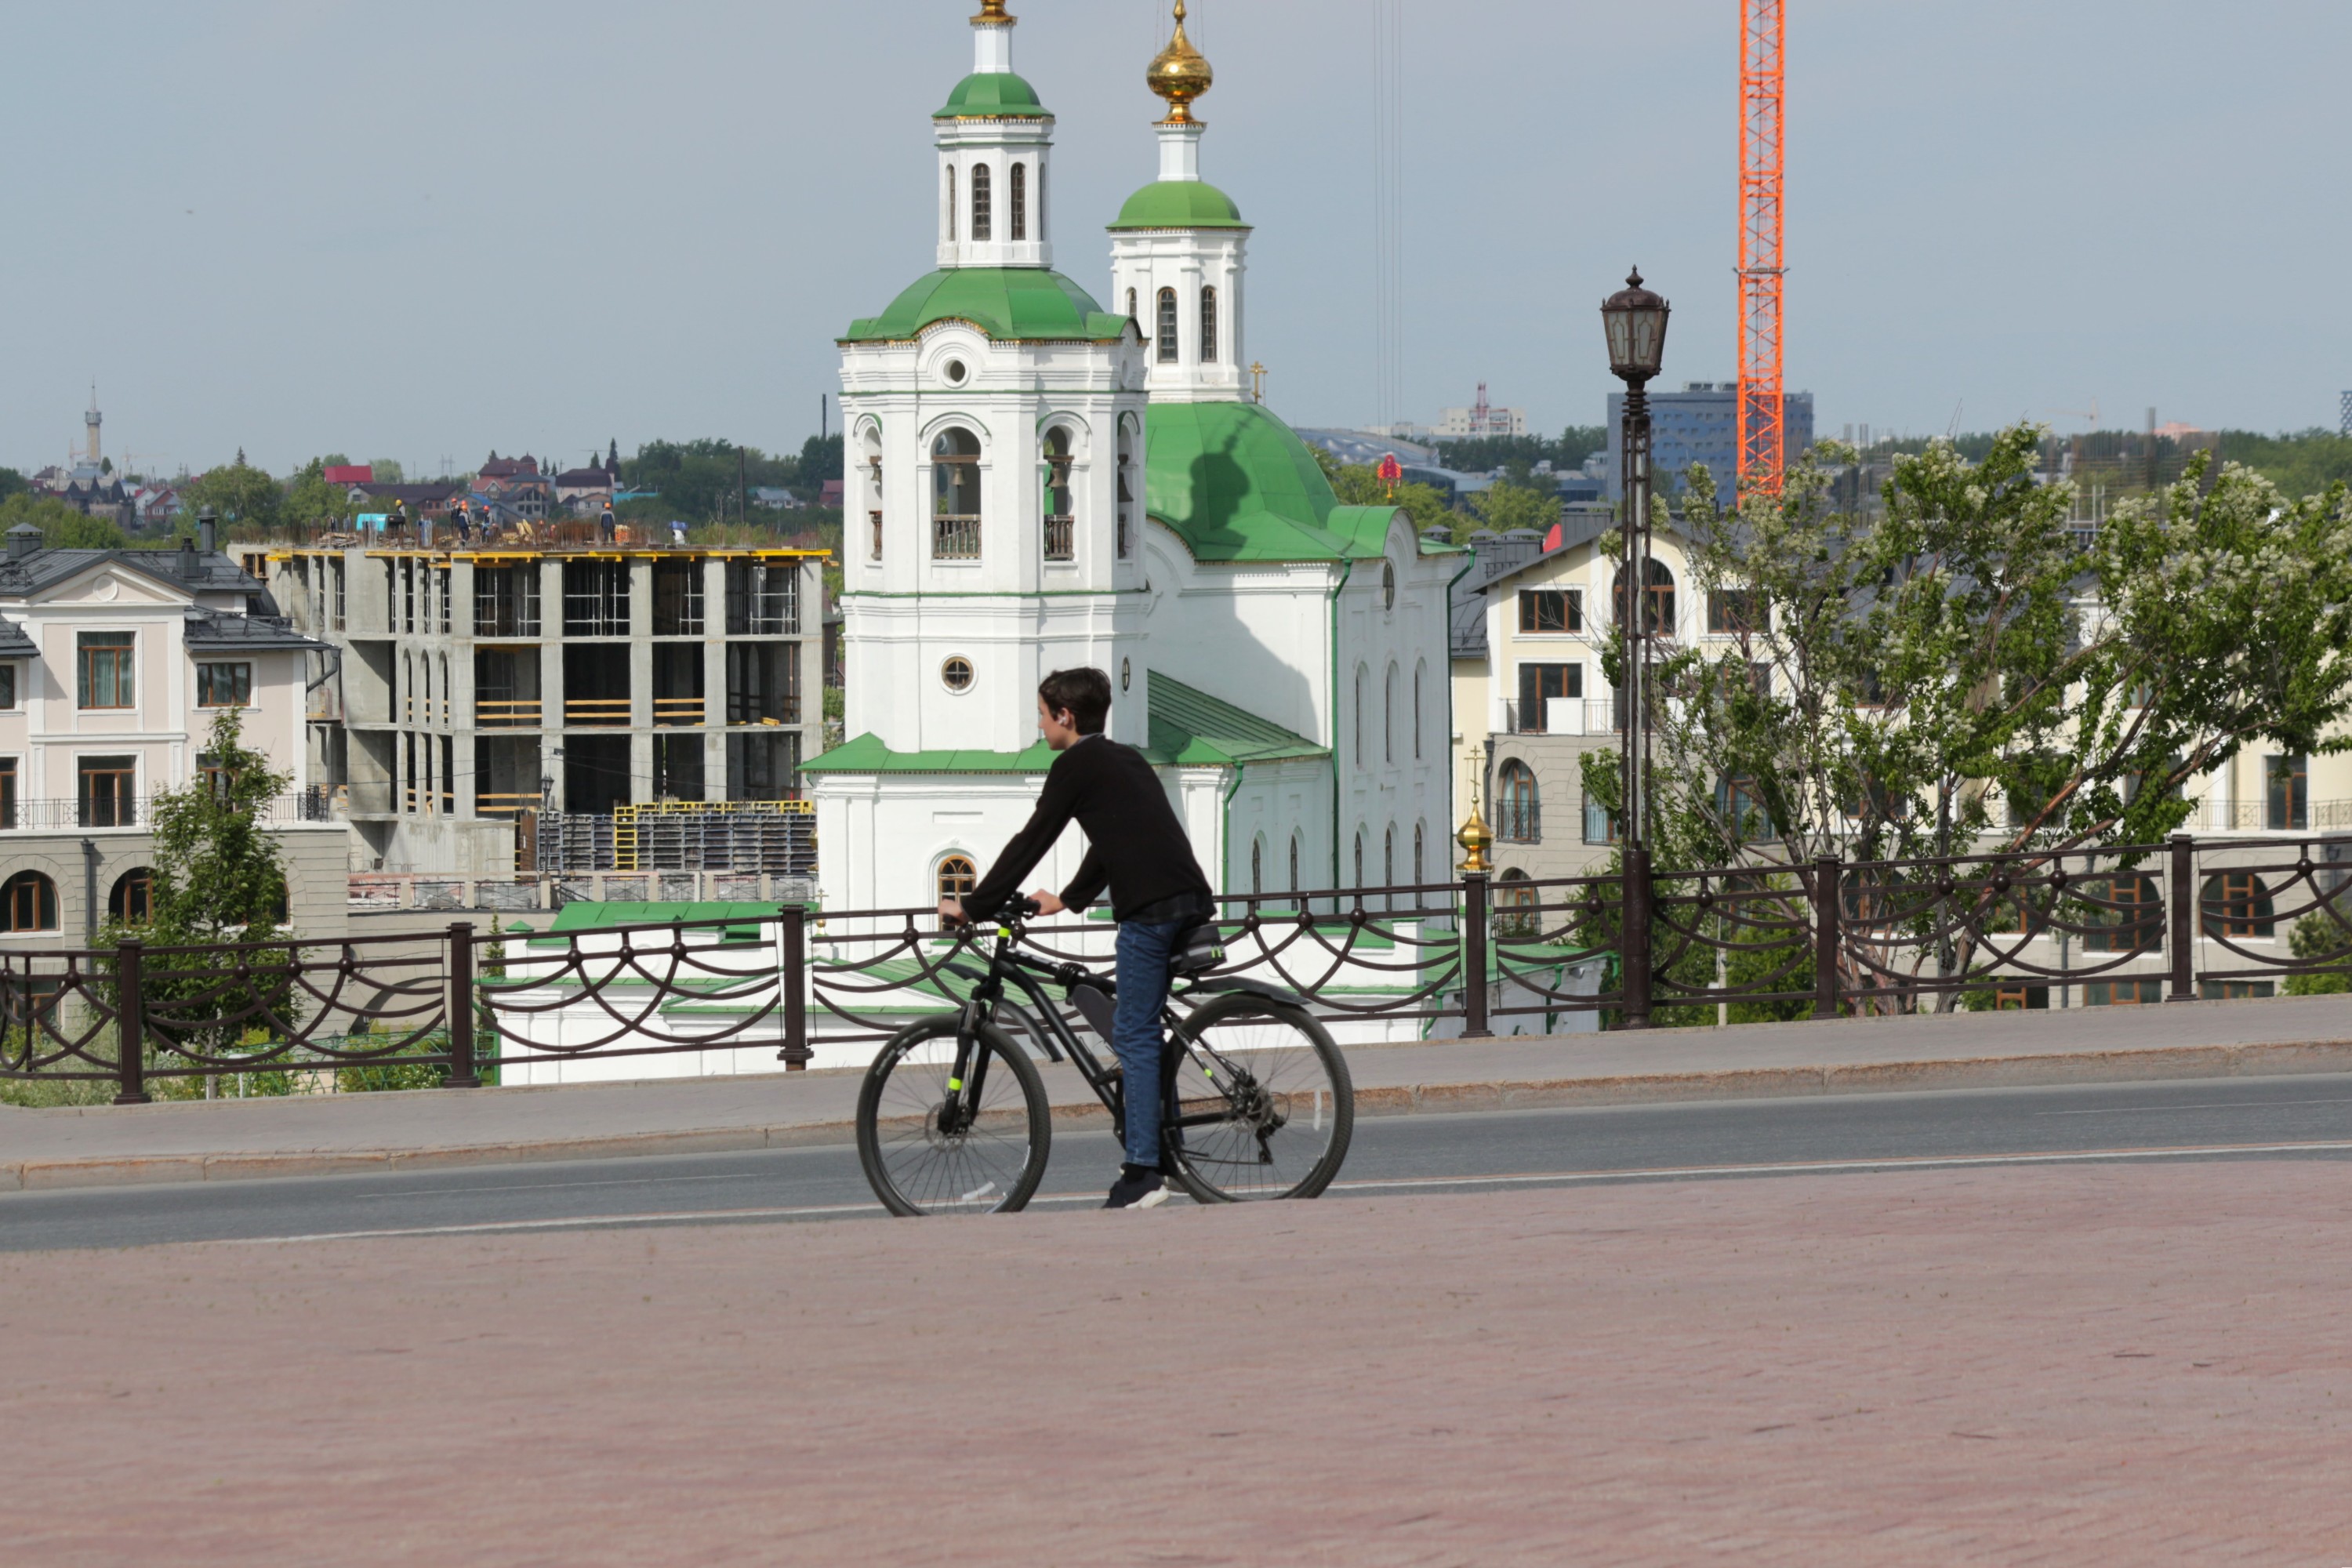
{"x": 1138, "y": 1188}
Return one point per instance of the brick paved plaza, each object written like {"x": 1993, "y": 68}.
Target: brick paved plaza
{"x": 2112, "y": 1366}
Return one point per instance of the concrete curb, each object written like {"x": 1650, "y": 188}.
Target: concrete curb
{"x": 2154, "y": 1064}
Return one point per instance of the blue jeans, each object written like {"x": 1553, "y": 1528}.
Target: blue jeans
{"x": 1144, "y": 952}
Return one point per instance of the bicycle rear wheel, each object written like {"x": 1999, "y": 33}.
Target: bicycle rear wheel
{"x": 927, "y": 1149}
{"x": 1264, "y": 1105}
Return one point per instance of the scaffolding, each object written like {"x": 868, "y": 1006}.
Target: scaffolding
{"x": 776, "y": 836}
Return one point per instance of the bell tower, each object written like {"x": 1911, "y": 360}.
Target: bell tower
{"x": 996, "y": 142}
{"x": 1178, "y": 249}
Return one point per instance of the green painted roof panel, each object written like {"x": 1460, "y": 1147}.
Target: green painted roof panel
{"x": 993, "y": 95}
{"x": 1237, "y": 485}
{"x": 1179, "y": 203}
{"x": 1197, "y": 730}
{"x": 867, "y": 754}
{"x": 1010, "y": 304}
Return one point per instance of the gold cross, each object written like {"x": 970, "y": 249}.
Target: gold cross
{"x": 1257, "y": 384}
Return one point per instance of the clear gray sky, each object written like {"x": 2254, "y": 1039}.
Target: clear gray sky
{"x": 427, "y": 229}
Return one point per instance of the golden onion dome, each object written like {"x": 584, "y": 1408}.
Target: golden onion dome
{"x": 1179, "y": 74}
{"x": 992, "y": 13}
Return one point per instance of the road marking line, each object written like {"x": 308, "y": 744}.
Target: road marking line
{"x": 2202, "y": 1105}
{"x": 1635, "y": 1172}
{"x": 1891, "y": 1163}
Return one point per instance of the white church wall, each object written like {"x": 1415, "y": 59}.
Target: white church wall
{"x": 885, "y": 836}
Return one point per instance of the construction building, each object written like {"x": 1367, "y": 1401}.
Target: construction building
{"x": 468, "y": 695}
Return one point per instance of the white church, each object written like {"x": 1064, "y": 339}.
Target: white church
{"x": 1036, "y": 482}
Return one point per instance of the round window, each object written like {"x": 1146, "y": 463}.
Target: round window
{"x": 1388, "y": 585}
{"x": 954, "y": 371}
{"x": 956, "y": 674}
{"x": 1126, "y": 673}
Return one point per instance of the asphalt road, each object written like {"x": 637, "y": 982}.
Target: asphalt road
{"x": 2300, "y": 1118}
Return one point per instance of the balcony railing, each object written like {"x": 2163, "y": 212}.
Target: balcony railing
{"x": 673, "y": 712}
{"x": 955, "y": 539}
{"x": 1061, "y": 539}
{"x": 500, "y": 713}
{"x": 592, "y": 712}
{"x": 1519, "y": 821}
{"x": 1563, "y": 716}
{"x": 139, "y": 811}
{"x": 2263, "y": 816}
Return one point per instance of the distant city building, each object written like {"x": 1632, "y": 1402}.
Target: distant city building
{"x": 1480, "y": 421}
{"x": 1700, "y": 423}
{"x": 585, "y": 490}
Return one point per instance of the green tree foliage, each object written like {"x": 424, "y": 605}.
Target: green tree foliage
{"x": 700, "y": 481}
{"x": 239, "y": 494}
{"x": 1509, "y": 504}
{"x": 310, "y": 499}
{"x": 2301, "y": 464}
{"x": 2320, "y": 936}
{"x": 217, "y": 880}
{"x": 62, "y": 528}
{"x": 1575, "y": 444}
{"x": 1358, "y": 485}
{"x": 1957, "y": 671}
{"x": 13, "y": 483}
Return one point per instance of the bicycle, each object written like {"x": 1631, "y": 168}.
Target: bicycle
{"x": 953, "y": 1117}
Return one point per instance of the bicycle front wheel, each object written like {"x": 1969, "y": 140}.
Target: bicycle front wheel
{"x": 1263, "y": 1105}
{"x": 977, "y": 1148}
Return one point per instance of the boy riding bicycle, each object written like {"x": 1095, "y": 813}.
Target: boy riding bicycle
{"x": 1136, "y": 847}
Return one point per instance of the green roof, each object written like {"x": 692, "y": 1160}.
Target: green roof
{"x": 1197, "y": 730}
{"x": 1010, "y": 304}
{"x": 1237, "y": 484}
{"x": 867, "y": 754}
{"x": 993, "y": 95}
{"x": 593, "y": 916}
{"x": 1180, "y": 203}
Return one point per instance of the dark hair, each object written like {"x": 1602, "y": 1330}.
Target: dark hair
{"x": 1084, "y": 693}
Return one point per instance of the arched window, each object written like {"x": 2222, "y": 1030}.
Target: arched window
{"x": 1130, "y": 308}
{"x": 1420, "y": 856}
{"x": 1061, "y": 524}
{"x": 957, "y": 877}
{"x": 1020, "y": 202}
{"x": 132, "y": 902}
{"x": 1418, "y": 671}
{"x": 1363, "y": 700}
{"x": 982, "y": 225}
{"x": 1514, "y": 905}
{"x": 2238, "y": 903}
{"x": 1359, "y": 859}
{"x": 1294, "y": 862}
{"x": 952, "y": 205}
{"x": 872, "y": 452}
{"x": 1126, "y": 491}
{"x": 1388, "y": 862}
{"x": 955, "y": 496}
{"x": 1167, "y": 326}
{"x": 1257, "y": 864}
{"x": 1519, "y": 810}
{"x": 1659, "y": 601}
{"x": 32, "y": 901}
{"x": 1389, "y": 716}
{"x": 1208, "y": 326}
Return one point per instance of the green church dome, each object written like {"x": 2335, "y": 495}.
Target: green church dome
{"x": 992, "y": 95}
{"x": 1179, "y": 203}
{"x": 1237, "y": 484}
{"x": 1010, "y": 304}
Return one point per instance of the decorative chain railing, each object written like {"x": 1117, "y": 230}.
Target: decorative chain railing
{"x": 1631, "y": 949}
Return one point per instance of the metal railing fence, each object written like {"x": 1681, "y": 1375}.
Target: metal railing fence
{"x": 1631, "y": 949}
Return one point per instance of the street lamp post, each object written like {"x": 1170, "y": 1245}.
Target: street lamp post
{"x": 1635, "y": 321}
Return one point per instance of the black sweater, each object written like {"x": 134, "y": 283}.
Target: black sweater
{"x": 1134, "y": 843}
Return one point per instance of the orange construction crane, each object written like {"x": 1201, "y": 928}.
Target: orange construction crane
{"x": 1763, "y": 91}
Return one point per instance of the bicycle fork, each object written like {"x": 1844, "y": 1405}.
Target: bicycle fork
{"x": 966, "y": 1078}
